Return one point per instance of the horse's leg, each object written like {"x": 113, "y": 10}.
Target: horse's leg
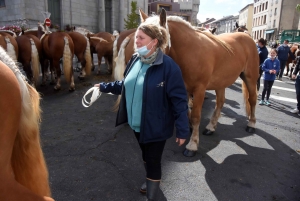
{"x": 99, "y": 63}
{"x": 287, "y": 68}
{"x": 53, "y": 72}
{"x": 220, "y": 99}
{"x": 44, "y": 66}
{"x": 56, "y": 66}
{"x": 250, "y": 98}
{"x": 109, "y": 67}
{"x": 28, "y": 71}
{"x": 198, "y": 98}
{"x": 82, "y": 60}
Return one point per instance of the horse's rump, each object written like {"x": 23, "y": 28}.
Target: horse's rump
{"x": 21, "y": 158}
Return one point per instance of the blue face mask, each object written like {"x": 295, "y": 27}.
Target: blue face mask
{"x": 143, "y": 50}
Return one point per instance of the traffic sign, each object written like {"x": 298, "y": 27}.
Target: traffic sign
{"x": 47, "y": 22}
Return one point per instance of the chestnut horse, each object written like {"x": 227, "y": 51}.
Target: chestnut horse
{"x": 23, "y": 171}
{"x": 217, "y": 63}
{"x": 9, "y": 43}
{"x": 30, "y": 51}
{"x": 293, "y": 49}
{"x": 82, "y": 52}
{"x": 55, "y": 46}
{"x": 102, "y": 44}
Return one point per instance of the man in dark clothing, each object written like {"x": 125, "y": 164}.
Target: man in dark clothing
{"x": 263, "y": 54}
{"x": 283, "y": 55}
{"x": 297, "y": 86}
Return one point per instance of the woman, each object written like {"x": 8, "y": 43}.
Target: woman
{"x": 153, "y": 98}
{"x": 263, "y": 54}
{"x": 270, "y": 67}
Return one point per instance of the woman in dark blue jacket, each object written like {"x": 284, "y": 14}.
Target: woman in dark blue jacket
{"x": 263, "y": 55}
{"x": 153, "y": 99}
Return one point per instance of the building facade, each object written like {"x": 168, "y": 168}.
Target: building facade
{"x": 246, "y": 17}
{"x": 94, "y": 15}
{"x": 230, "y": 24}
{"x": 187, "y": 9}
{"x": 220, "y": 24}
{"x": 260, "y": 19}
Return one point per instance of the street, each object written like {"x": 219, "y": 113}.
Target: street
{"x": 90, "y": 159}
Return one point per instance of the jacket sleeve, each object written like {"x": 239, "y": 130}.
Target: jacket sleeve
{"x": 278, "y": 66}
{"x": 265, "y": 67}
{"x": 297, "y": 67}
{"x": 177, "y": 93}
{"x": 111, "y": 87}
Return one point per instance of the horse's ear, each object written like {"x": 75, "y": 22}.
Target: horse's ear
{"x": 236, "y": 25}
{"x": 163, "y": 18}
{"x": 143, "y": 15}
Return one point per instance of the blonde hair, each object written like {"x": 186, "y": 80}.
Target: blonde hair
{"x": 155, "y": 32}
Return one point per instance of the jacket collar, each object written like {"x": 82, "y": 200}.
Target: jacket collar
{"x": 159, "y": 58}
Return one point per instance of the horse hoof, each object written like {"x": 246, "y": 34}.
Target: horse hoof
{"x": 189, "y": 153}
{"x": 250, "y": 129}
{"x": 71, "y": 89}
{"x": 207, "y": 132}
{"x": 56, "y": 88}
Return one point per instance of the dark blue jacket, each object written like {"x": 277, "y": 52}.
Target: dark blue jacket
{"x": 263, "y": 54}
{"x": 164, "y": 100}
{"x": 270, "y": 65}
{"x": 284, "y": 52}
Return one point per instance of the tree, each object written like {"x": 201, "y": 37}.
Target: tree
{"x": 298, "y": 7}
{"x": 132, "y": 18}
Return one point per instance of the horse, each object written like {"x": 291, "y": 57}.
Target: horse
{"x": 102, "y": 44}
{"x": 9, "y": 43}
{"x": 240, "y": 28}
{"x": 30, "y": 56}
{"x": 217, "y": 63}
{"x": 55, "y": 46}
{"x": 23, "y": 170}
{"x": 13, "y": 34}
{"x": 293, "y": 49}
{"x": 82, "y": 52}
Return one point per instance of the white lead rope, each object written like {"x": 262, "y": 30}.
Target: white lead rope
{"x": 96, "y": 94}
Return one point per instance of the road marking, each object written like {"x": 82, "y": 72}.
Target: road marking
{"x": 284, "y": 99}
{"x": 281, "y": 88}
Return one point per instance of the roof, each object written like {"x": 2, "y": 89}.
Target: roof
{"x": 250, "y": 4}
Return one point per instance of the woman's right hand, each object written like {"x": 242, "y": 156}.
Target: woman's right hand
{"x": 97, "y": 85}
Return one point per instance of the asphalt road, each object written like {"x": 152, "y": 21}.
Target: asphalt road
{"x": 90, "y": 159}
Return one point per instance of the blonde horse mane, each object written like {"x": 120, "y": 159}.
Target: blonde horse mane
{"x": 27, "y": 161}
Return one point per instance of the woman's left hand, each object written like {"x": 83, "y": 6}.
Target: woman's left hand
{"x": 180, "y": 141}
{"x": 97, "y": 85}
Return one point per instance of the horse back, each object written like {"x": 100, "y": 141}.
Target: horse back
{"x": 53, "y": 44}
{"x": 79, "y": 41}
{"x": 12, "y": 40}
{"x": 123, "y": 35}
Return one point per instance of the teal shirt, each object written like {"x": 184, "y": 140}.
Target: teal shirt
{"x": 134, "y": 94}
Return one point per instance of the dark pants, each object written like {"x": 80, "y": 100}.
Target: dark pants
{"x": 267, "y": 89}
{"x": 258, "y": 81}
{"x": 297, "y": 86}
{"x": 151, "y": 153}
{"x": 282, "y": 66}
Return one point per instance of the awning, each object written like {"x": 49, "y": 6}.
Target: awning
{"x": 269, "y": 31}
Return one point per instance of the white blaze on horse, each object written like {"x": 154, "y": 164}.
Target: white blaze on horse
{"x": 207, "y": 62}
{"x": 23, "y": 171}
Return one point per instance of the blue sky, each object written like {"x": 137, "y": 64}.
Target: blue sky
{"x": 219, "y": 8}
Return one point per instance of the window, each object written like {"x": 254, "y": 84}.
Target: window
{"x": 275, "y": 11}
{"x": 265, "y": 19}
{"x": 2, "y": 3}
{"x": 266, "y": 5}
{"x": 274, "y": 23}
{"x": 254, "y": 10}
{"x": 263, "y": 7}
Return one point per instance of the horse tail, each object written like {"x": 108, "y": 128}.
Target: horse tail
{"x": 120, "y": 60}
{"x": 10, "y": 49}
{"x": 67, "y": 59}
{"x": 35, "y": 61}
{"x": 27, "y": 161}
{"x": 88, "y": 58}
{"x": 246, "y": 99}
{"x": 115, "y": 52}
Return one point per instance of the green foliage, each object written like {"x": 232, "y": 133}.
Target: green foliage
{"x": 132, "y": 18}
{"x": 298, "y": 7}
